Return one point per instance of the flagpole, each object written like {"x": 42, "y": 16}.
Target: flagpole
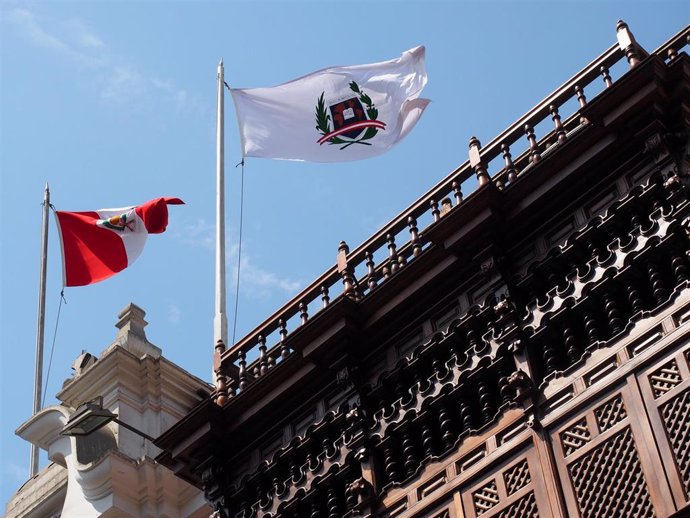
{"x": 220, "y": 321}
{"x": 40, "y": 322}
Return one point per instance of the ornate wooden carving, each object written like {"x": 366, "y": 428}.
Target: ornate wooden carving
{"x": 557, "y": 386}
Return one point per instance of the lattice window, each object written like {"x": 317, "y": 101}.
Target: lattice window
{"x": 517, "y": 477}
{"x": 676, "y": 413}
{"x": 508, "y": 491}
{"x": 575, "y": 437}
{"x": 526, "y": 507}
{"x": 665, "y": 378}
{"x": 610, "y": 414}
{"x": 485, "y": 498}
{"x": 609, "y": 482}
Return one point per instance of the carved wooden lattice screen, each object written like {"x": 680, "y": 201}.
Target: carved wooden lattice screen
{"x": 508, "y": 493}
{"x": 666, "y": 391}
{"x": 606, "y": 463}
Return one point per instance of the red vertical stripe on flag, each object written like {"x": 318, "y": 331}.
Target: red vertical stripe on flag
{"x": 154, "y": 213}
{"x": 90, "y": 253}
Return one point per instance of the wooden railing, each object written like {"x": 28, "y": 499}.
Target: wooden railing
{"x": 361, "y": 271}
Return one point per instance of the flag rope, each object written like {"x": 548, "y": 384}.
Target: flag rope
{"x": 57, "y": 321}
{"x": 52, "y": 347}
{"x": 239, "y": 249}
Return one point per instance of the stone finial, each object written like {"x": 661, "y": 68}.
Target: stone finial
{"x": 131, "y": 335}
{"x": 132, "y": 321}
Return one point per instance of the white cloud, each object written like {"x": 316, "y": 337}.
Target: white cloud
{"x": 124, "y": 84}
{"x": 197, "y": 234}
{"x": 255, "y": 281}
{"x": 118, "y": 78}
{"x": 174, "y": 313}
{"x": 258, "y": 283}
{"x": 82, "y": 34}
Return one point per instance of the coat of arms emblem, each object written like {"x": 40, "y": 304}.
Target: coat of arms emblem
{"x": 354, "y": 119}
{"x": 119, "y": 223}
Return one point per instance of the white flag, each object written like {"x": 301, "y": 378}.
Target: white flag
{"x": 335, "y": 114}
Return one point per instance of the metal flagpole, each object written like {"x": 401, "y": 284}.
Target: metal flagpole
{"x": 220, "y": 321}
{"x": 40, "y": 322}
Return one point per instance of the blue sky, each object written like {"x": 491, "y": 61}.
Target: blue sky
{"x": 113, "y": 103}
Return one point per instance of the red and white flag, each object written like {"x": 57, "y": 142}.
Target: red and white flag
{"x": 98, "y": 244}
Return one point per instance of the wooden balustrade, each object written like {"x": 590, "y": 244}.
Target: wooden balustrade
{"x": 472, "y": 175}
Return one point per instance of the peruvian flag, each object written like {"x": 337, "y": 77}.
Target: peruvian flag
{"x": 98, "y": 244}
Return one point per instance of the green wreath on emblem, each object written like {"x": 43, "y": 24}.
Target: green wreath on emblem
{"x": 323, "y": 124}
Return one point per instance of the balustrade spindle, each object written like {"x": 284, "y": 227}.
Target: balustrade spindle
{"x": 386, "y": 272}
{"x": 591, "y": 328}
{"x": 303, "y": 314}
{"x": 656, "y": 280}
{"x": 315, "y": 509}
{"x": 678, "y": 265}
{"x": 582, "y": 100}
{"x": 580, "y": 94}
{"x": 465, "y": 413}
{"x": 410, "y": 458}
{"x": 427, "y": 437}
{"x": 390, "y": 461}
{"x": 477, "y": 163}
{"x": 558, "y": 126}
{"x": 485, "y": 401}
{"x": 434, "y": 210}
{"x": 263, "y": 361}
{"x": 534, "y": 154}
{"x": 284, "y": 350}
{"x": 333, "y": 503}
{"x": 635, "y": 298}
{"x": 243, "y": 370}
{"x": 504, "y": 390}
{"x": 414, "y": 236}
{"x": 371, "y": 270}
{"x": 392, "y": 253}
{"x": 446, "y": 427}
{"x": 324, "y": 296}
{"x": 457, "y": 191}
{"x": 612, "y": 313}
{"x": 549, "y": 356}
{"x": 221, "y": 384}
{"x": 345, "y": 270}
{"x": 605, "y": 75}
{"x": 350, "y": 498}
{"x": 232, "y": 391}
{"x": 572, "y": 350}
{"x": 509, "y": 166}
{"x": 627, "y": 43}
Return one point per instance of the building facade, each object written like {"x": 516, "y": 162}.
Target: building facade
{"x": 515, "y": 344}
{"x": 111, "y": 472}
